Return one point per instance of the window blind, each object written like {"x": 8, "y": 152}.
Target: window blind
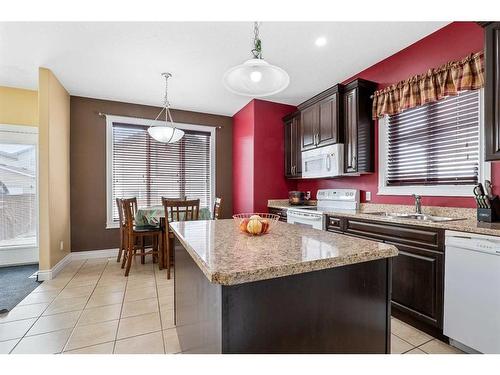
{"x": 147, "y": 169}
{"x": 435, "y": 144}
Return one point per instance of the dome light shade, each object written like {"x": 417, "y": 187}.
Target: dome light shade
{"x": 165, "y": 134}
{"x": 256, "y": 78}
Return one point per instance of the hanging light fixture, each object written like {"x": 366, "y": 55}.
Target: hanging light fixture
{"x": 256, "y": 77}
{"x": 167, "y": 133}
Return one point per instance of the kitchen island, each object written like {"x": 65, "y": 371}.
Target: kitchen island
{"x": 293, "y": 290}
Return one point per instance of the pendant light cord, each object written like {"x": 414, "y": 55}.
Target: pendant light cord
{"x": 166, "y": 107}
{"x": 257, "y": 43}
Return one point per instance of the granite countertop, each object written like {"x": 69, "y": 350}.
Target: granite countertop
{"x": 468, "y": 224}
{"x": 228, "y": 257}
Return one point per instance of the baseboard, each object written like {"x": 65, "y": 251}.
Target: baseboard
{"x": 52, "y": 273}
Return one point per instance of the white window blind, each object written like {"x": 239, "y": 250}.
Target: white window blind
{"x": 435, "y": 144}
{"x": 149, "y": 170}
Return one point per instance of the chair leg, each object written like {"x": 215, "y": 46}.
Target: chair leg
{"x": 143, "y": 257}
{"x": 129, "y": 261}
{"x": 160, "y": 250}
{"x": 125, "y": 256}
{"x": 122, "y": 246}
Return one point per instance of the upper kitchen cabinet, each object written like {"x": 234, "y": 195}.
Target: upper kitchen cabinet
{"x": 293, "y": 156}
{"x": 358, "y": 126}
{"x": 321, "y": 118}
{"x": 492, "y": 90}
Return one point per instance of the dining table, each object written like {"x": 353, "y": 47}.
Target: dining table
{"x": 155, "y": 216}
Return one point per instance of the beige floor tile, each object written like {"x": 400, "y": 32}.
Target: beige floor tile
{"x": 52, "y": 323}
{"x": 81, "y": 291}
{"x": 166, "y": 302}
{"x": 139, "y": 325}
{"x": 100, "y": 314}
{"x": 415, "y": 351}
{"x": 131, "y": 284}
{"x": 15, "y": 329}
{"x": 135, "y": 294}
{"x": 46, "y": 343}
{"x": 151, "y": 343}
{"x": 41, "y": 297}
{"x": 109, "y": 288}
{"x": 7, "y": 346}
{"x": 167, "y": 318}
{"x": 106, "y": 348}
{"x": 399, "y": 346}
{"x": 409, "y": 333}
{"x": 140, "y": 307}
{"x": 172, "y": 345}
{"x": 60, "y": 305}
{"x": 104, "y": 299}
{"x": 24, "y": 312}
{"x": 439, "y": 347}
{"x": 76, "y": 283}
{"x": 92, "y": 334}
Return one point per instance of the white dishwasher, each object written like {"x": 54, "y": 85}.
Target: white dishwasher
{"x": 472, "y": 291}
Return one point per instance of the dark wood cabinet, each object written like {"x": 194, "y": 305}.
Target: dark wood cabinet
{"x": 293, "y": 154}
{"x": 358, "y": 127}
{"x": 491, "y": 100}
{"x": 281, "y": 212}
{"x": 417, "y": 272}
{"x": 321, "y": 119}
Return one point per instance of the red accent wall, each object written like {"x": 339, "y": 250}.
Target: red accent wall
{"x": 452, "y": 42}
{"x": 258, "y": 155}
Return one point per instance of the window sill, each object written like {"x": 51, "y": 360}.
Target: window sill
{"x": 112, "y": 225}
{"x": 437, "y": 191}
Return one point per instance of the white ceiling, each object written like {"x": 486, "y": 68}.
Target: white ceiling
{"x": 123, "y": 61}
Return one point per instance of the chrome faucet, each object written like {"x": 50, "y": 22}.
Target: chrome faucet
{"x": 418, "y": 204}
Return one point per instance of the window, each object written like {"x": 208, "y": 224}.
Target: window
{"x": 139, "y": 166}
{"x": 434, "y": 149}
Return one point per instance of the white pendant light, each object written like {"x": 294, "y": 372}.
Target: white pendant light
{"x": 256, "y": 77}
{"x": 167, "y": 133}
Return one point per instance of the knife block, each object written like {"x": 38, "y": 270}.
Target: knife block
{"x": 490, "y": 215}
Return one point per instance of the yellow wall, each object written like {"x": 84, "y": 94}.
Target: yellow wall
{"x": 18, "y": 106}
{"x": 54, "y": 179}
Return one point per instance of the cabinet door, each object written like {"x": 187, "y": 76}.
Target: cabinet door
{"x": 309, "y": 124}
{"x": 289, "y": 151}
{"x": 417, "y": 284}
{"x": 351, "y": 131}
{"x": 328, "y": 130}
{"x": 492, "y": 91}
{"x": 296, "y": 147}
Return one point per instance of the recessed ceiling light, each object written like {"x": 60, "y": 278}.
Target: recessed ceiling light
{"x": 321, "y": 41}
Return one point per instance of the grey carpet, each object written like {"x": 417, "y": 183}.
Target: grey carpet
{"x": 15, "y": 284}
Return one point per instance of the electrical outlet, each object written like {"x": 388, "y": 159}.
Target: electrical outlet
{"x": 368, "y": 196}
{"x": 61, "y": 245}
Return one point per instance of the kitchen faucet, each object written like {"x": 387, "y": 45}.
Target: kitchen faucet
{"x": 418, "y": 204}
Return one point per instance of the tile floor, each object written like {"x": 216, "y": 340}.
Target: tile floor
{"x": 90, "y": 307}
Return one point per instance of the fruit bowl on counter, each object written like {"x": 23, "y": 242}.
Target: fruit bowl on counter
{"x": 255, "y": 224}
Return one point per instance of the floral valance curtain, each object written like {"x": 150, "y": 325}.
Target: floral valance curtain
{"x": 449, "y": 79}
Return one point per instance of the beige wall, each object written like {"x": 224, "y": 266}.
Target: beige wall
{"x": 54, "y": 178}
{"x": 18, "y": 106}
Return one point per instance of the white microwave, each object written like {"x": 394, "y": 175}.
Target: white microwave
{"x": 327, "y": 161}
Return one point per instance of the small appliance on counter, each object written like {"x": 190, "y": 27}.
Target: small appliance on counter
{"x": 296, "y": 198}
{"x": 337, "y": 200}
{"x": 488, "y": 205}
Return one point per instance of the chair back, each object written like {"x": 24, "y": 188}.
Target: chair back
{"x": 180, "y": 210}
{"x": 217, "y": 208}
{"x": 129, "y": 210}
{"x": 121, "y": 218}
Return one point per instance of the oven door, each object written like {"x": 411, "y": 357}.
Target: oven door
{"x": 306, "y": 219}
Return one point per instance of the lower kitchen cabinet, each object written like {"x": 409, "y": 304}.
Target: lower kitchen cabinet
{"x": 281, "y": 212}
{"x": 417, "y": 272}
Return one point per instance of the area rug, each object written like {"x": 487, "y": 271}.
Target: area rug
{"x": 15, "y": 284}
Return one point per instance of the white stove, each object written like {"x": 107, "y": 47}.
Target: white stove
{"x": 337, "y": 200}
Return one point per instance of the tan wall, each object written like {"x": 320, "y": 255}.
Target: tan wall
{"x": 54, "y": 169}
{"x": 88, "y": 165}
{"x": 18, "y": 106}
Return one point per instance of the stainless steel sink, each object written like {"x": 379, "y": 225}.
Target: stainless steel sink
{"x": 413, "y": 216}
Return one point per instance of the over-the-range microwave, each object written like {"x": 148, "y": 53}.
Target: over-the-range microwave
{"x": 327, "y": 161}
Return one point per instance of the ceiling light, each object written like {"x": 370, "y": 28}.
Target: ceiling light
{"x": 321, "y": 41}
{"x": 256, "y": 77}
{"x": 167, "y": 133}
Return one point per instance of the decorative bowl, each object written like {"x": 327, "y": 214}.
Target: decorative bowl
{"x": 255, "y": 224}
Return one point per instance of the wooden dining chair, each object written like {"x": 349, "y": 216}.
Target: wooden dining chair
{"x": 123, "y": 231}
{"x": 176, "y": 210}
{"x": 137, "y": 235}
{"x": 217, "y": 211}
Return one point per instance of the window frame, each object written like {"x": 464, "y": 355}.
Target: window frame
{"x": 110, "y": 119}
{"x": 438, "y": 190}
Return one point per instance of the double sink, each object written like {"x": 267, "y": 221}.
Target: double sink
{"x": 413, "y": 216}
